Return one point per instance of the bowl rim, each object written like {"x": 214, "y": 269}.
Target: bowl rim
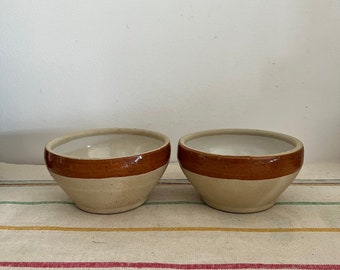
{"x": 297, "y": 144}
{"x": 58, "y": 141}
{"x": 99, "y": 168}
{"x": 247, "y": 167}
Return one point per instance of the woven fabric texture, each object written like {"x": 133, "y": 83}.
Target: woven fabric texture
{"x": 40, "y": 227}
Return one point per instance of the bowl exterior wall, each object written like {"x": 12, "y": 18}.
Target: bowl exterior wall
{"x": 110, "y": 195}
{"x": 239, "y": 196}
{"x": 106, "y": 168}
{"x": 240, "y": 167}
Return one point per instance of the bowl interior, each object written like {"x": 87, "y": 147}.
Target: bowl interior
{"x": 241, "y": 144}
{"x": 103, "y": 146}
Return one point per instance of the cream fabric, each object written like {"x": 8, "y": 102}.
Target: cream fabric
{"x": 41, "y": 227}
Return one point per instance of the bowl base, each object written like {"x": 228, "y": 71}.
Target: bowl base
{"x": 238, "y": 210}
{"x": 107, "y": 211}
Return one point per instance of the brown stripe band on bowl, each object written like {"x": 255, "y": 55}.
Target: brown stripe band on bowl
{"x": 105, "y": 168}
{"x": 240, "y": 167}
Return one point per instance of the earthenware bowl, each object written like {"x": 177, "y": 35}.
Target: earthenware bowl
{"x": 108, "y": 170}
{"x": 240, "y": 170}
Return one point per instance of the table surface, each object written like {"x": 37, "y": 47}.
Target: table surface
{"x": 41, "y": 228}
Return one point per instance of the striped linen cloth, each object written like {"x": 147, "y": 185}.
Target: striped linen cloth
{"x": 41, "y": 228}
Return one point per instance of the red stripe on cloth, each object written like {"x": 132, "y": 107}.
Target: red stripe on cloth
{"x": 167, "y": 265}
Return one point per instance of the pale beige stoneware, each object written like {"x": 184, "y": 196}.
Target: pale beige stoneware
{"x": 240, "y": 170}
{"x": 108, "y": 171}
{"x": 110, "y": 195}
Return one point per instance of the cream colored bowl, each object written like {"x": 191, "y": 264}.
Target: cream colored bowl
{"x": 240, "y": 170}
{"x": 108, "y": 170}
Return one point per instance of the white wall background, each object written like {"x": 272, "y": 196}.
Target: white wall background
{"x": 175, "y": 66}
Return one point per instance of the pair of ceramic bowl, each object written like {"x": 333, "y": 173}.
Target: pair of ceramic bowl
{"x": 114, "y": 170}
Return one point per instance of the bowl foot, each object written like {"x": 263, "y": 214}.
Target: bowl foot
{"x": 114, "y": 210}
{"x": 239, "y": 210}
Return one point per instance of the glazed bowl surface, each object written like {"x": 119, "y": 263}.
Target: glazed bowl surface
{"x": 240, "y": 170}
{"x": 110, "y": 170}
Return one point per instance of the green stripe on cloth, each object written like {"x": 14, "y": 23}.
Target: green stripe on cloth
{"x": 162, "y": 203}
{"x": 168, "y": 229}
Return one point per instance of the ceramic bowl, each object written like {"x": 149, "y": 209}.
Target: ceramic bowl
{"x": 240, "y": 170}
{"x": 108, "y": 170}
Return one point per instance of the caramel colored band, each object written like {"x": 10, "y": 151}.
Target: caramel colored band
{"x": 240, "y": 167}
{"x": 105, "y": 168}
